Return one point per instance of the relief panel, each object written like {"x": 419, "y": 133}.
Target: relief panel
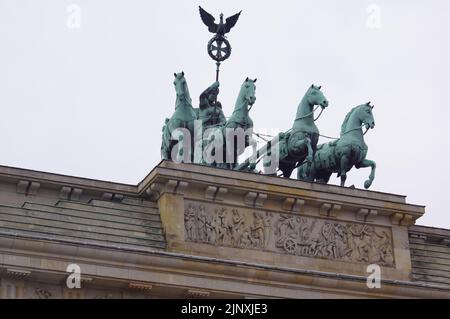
{"x": 286, "y": 233}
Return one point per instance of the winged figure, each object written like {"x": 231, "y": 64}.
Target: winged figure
{"x": 221, "y": 28}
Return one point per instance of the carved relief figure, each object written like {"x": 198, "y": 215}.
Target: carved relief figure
{"x": 210, "y": 229}
{"x": 201, "y": 221}
{"x": 349, "y": 242}
{"x": 221, "y": 226}
{"x": 286, "y": 229}
{"x": 189, "y": 222}
{"x": 258, "y": 230}
{"x": 225, "y": 228}
{"x": 236, "y": 223}
{"x": 384, "y": 248}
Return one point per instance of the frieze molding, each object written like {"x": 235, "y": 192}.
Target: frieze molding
{"x": 293, "y": 234}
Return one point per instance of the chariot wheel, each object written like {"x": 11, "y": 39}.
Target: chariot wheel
{"x": 290, "y": 246}
{"x": 219, "y": 48}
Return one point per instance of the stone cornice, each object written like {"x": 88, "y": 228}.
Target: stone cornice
{"x": 285, "y": 190}
{"x": 395, "y": 206}
{"x": 26, "y": 179}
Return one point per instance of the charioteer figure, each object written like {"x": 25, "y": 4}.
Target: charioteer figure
{"x": 210, "y": 110}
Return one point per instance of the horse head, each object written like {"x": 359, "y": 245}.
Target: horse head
{"x": 316, "y": 97}
{"x": 359, "y": 115}
{"x": 365, "y": 115}
{"x": 181, "y": 88}
{"x": 247, "y": 92}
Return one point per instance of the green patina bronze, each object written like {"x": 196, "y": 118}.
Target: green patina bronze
{"x": 183, "y": 117}
{"x": 239, "y": 120}
{"x": 219, "y": 49}
{"x": 217, "y": 144}
{"x": 349, "y": 150}
{"x": 211, "y": 116}
{"x": 210, "y": 110}
{"x": 299, "y": 143}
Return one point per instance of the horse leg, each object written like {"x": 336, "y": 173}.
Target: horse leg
{"x": 286, "y": 167}
{"x": 305, "y": 172}
{"x": 310, "y": 156}
{"x": 344, "y": 168}
{"x": 230, "y": 160}
{"x": 323, "y": 177}
{"x": 254, "y": 156}
{"x": 311, "y": 172}
{"x": 287, "y": 172}
{"x": 164, "y": 150}
{"x": 373, "y": 165}
{"x": 165, "y": 143}
{"x": 309, "y": 161}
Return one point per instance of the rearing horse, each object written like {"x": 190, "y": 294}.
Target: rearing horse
{"x": 301, "y": 140}
{"x": 183, "y": 117}
{"x": 350, "y": 149}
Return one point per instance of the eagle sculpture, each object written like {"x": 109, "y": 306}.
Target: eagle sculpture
{"x": 221, "y": 28}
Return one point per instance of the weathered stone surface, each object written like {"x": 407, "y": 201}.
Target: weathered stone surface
{"x": 290, "y": 240}
{"x": 75, "y": 221}
{"x": 430, "y": 255}
{"x": 295, "y": 224}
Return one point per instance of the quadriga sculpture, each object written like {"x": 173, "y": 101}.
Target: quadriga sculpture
{"x": 349, "y": 150}
{"x": 183, "y": 118}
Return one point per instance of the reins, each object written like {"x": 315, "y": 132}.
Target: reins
{"x": 309, "y": 114}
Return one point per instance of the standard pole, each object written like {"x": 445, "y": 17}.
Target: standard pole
{"x": 217, "y": 71}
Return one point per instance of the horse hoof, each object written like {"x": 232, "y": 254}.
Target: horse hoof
{"x": 352, "y": 187}
{"x": 367, "y": 184}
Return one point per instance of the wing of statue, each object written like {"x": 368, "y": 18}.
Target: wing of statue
{"x": 208, "y": 20}
{"x": 231, "y": 21}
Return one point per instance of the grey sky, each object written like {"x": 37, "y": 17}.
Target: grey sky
{"x": 91, "y": 101}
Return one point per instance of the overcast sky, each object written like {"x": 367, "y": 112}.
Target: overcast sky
{"x": 89, "y": 99}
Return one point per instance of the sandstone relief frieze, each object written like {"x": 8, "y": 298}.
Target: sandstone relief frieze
{"x": 288, "y": 234}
